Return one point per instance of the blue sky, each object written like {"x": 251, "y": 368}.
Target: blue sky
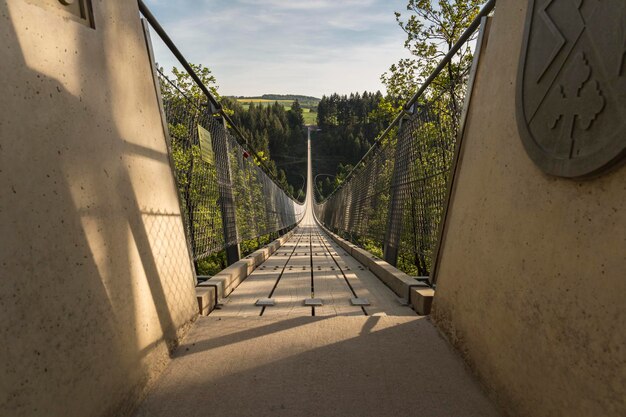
{"x": 312, "y": 47}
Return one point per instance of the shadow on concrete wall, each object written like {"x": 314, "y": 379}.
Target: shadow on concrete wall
{"x": 80, "y": 245}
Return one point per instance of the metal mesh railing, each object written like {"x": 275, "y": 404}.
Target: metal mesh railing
{"x": 359, "y": 209}
{"x": 424, "y": 155}
{"x": 226, "y": 196}
{"x": 196, "y": 180}
{"x": 393, "y": 201}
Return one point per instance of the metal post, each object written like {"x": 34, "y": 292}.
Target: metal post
{"x": 221, "y": 147}
{"x": 399, "y": 188}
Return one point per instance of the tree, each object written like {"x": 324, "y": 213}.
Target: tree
{"x": 185, "y": 85}
{"x": 432, "y": 28}
{"x": 278, "y": 135}
{"x": 183, "y": 101}
{"x": 197, "y": 179}
{"x": 296, "y": 115}
{"x": 347, "y": 132}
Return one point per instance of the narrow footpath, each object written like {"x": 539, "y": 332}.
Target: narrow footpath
{"x": 335, "y": 342}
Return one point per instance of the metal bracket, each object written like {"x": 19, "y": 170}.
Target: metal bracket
{"x": 359, "y": 302}
{"x": 213, "y": 109}
{"x": 406, "y": 114}
{"x": 265, "y": 302}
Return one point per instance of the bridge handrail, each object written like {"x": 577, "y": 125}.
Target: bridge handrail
{"x": 216, "y": 106}
{"x": 469, "y": 32}
{"x": 393, "y": 201}
{"x": 230, "y": 203}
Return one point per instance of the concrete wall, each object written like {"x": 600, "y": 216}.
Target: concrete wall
{"x": 533, "y": 274}
{"x": 95, "y": 277}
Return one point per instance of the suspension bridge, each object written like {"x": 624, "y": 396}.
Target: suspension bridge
{"x": 154, "y": 264}
{"x": 311, "y": 331}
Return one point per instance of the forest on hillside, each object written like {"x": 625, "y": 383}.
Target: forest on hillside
{"x": 279, "y": 137}
{"x": 348, "y": 126}
{"x": 304, "y": 101}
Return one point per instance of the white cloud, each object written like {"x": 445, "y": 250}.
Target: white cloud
{"x": 270, "y": 46}
{"x": 307, "y": 5}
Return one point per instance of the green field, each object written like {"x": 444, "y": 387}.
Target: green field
{"x": 263, "y": 100}
{"x": 310, "y": 117}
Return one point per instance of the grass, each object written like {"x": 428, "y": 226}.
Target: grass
{"x": 310, "y": 118}
{"x": 264, "y": 101}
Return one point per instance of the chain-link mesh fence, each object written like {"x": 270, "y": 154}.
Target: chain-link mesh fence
{"x": 392, "y": 202}
{"x": 358, "y": 210}
{"x": 226, "y": 197}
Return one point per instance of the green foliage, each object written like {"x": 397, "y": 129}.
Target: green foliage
{"x": 249, "y": 246}
{"x": 348, "y": 130}
{"x": 295, "y": 114}
{"x": 432, "y": 28}
{"x": 212, "y": 264}
{"x": 305, "y": 101}
{"x": 278, "y": 135}
{"x": 215, "y": 262}
{"x": 186, "y": 86}
{"x": 195, "y": 178}
{"x": 197, "y": 182}
{"x": 307, "y": 104}
{"x": 250, "y": 202}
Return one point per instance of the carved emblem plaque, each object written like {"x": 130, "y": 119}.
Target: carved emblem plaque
{"x": 571, "y": 88}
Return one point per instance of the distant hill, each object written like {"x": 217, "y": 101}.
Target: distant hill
{"x": 308, "y": 103}
{"x": 290, "y": 97}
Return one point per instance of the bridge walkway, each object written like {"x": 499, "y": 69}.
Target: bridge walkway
{"x": 334, "y": 359}
{"x": 311, "y": 266}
